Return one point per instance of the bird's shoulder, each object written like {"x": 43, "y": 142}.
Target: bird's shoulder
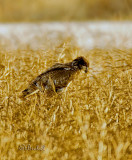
{"x": 59, "y": 66}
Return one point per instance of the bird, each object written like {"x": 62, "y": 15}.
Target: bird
{"x": 57, "y": 77}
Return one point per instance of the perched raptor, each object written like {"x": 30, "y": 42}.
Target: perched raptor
{"x": 57, "y": 77}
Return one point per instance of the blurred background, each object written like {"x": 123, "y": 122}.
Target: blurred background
{"x": 64, "y": 10}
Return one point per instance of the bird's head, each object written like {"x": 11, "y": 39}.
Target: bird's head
{"x": 81, "y": 63}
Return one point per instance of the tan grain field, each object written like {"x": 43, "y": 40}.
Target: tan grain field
{"x": 91, "y": 119}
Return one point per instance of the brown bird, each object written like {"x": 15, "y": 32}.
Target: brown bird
{"x": 57, "y": 77}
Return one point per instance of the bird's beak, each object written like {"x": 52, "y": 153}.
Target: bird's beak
{"x": 85, "y": 68}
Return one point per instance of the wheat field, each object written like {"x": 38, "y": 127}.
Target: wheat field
{"x": 91, "y": 119}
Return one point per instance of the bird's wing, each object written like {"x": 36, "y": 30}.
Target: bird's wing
{"x": 61, "y": 77}
{"x": 59, "y": 73}
{"x": 57, "y": 66}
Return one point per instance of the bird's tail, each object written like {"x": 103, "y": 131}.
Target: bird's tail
{"x": 28, "y": 91}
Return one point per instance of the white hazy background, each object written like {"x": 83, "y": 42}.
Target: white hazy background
{"x": 87, "y": 35}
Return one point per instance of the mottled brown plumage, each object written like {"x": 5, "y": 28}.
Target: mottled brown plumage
{"x": 57, "y": 77}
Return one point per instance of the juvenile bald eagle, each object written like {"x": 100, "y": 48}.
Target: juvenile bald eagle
{"x": 57, "y": 77}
